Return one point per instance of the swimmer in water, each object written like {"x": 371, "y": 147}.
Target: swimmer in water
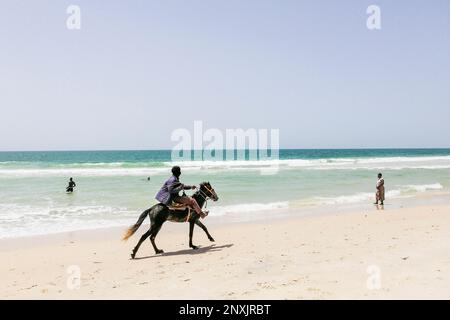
{"x": 72, "y": 185}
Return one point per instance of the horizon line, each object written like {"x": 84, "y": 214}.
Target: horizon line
{"x": 347, "y": 148}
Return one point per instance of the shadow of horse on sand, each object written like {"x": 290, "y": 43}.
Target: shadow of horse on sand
{"x": 200, "y": 250}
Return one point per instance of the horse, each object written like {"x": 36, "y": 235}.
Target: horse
{"x": 160, "y": 213}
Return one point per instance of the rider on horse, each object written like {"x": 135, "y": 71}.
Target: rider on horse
{"x": 170, "y": 189}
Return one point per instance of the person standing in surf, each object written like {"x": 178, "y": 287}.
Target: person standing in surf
{"x": 72, "y": 185}
{"x": 379, "y": 195}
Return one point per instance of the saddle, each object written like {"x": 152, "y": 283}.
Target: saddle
{"x": 180, "y": 207}
{"x": 177, "y": 206}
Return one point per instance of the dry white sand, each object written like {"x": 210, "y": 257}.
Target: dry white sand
{"x": 402, "y": 253}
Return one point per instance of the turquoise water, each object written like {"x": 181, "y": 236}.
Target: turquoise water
{"x": 112, "y": 186}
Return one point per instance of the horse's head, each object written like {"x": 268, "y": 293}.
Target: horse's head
{"x": 209, "y": 191}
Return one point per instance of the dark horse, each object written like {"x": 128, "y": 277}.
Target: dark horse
{"x": 161, "y": 213}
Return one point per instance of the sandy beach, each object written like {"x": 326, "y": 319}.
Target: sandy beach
{"x": 369, "y": 254}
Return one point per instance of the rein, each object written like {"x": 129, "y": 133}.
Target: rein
{"x": 203, "y": 195}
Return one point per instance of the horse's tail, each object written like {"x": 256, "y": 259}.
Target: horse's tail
{"x": 131, "y": 230}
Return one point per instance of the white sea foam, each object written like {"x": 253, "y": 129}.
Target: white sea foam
{"x": 424, "y": 187}
{"x": 81, "y": 172}
{"x": 401, "y": 192}
{"x": 248, "y": 207}
{"x": 349, "y": 199}
{"x": 309, "y": 162}
{"x": 144, "y": 169}
{"x": 25, "y": 220}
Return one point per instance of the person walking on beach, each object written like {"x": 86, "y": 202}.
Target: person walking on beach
{"x": 72, "y": 185}
{"x": 379, "y": 196}
{"x": 170, "y": 189}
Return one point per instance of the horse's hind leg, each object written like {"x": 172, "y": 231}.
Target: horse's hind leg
{"x": 153, "y": 236}
{"x": 142, "y": 239}
{"x": 201, "y": 225}
{"x": 191, "y": 232}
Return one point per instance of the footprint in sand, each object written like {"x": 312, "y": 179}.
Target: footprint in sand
{"x": 265, "y": 285}
{"x": 34, "y": 285}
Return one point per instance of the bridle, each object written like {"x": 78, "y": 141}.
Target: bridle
{"x": 204, "y": 195}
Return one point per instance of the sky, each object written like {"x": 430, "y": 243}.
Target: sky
{"x": 138, "y": 70}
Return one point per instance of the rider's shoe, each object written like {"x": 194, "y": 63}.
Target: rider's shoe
{"x": 204, "y": 214}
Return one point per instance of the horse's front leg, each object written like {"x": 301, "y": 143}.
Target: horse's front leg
{"x": 191, "y": 232}
{"x": 201, "y": 225}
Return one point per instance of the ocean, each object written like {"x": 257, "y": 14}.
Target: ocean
{"x": 113, "y": 186}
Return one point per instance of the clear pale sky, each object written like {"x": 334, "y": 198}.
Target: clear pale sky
{"x": 137, "y": 70}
